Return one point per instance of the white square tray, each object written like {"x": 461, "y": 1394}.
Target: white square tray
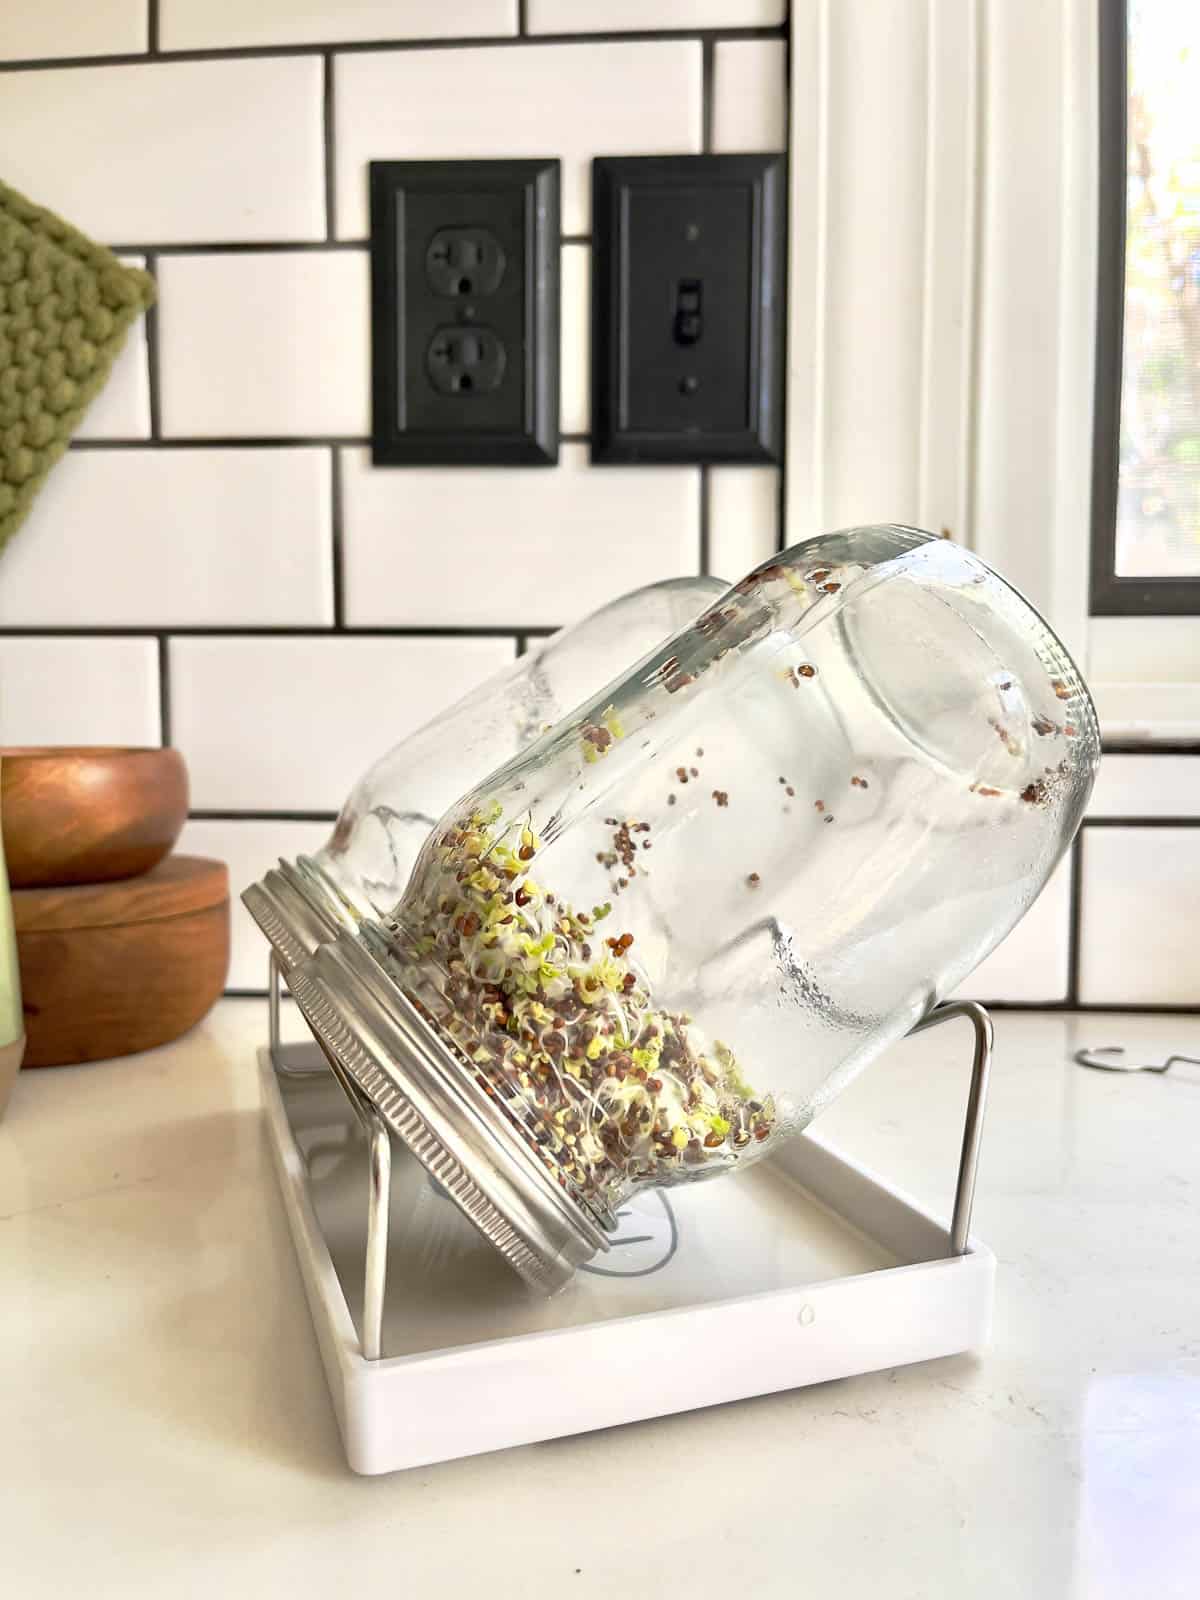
{"x": 804, "y": 1268}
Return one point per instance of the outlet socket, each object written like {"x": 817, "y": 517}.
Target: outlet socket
{"x": 465, "y": 312}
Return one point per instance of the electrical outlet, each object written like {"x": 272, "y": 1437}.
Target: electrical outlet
{"x": 464, "y": 312}
{"x": 687, "y": 308}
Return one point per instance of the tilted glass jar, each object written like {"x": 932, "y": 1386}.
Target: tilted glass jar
{"x": 664, "y": 936}
{"x": 362, "y": 870}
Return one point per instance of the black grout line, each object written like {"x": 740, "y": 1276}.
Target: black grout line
{"x": 134, "y": 58}
{"x": 523, "y": 18}
{"x": 202, "y": 814}
{"x": 522, "y": 641}
{"x": 1166, "y": 747}
{"x": 335, "y": 529}
{"x": 240, "y": 247}
{"x": 330, "y": 157}
{"x": 781, "y": 535}
{"x": 705, "y": 529}
{"x": 1075, "y": 920}
{"x": 707, "y": 58}
{"x": 1087, "y": 1007}
{"x": 302, "y": 630}
{"x": 152, "y": 30}
{"x": 234, "y": 442}
{"x": 270, "y": 247}
{"x": 1140, "y": 822}
{"x": 164, "y": 691}
{"x": 153, "y": 369}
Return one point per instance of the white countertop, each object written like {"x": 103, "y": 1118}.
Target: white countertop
{"x": 167, "y": 1431}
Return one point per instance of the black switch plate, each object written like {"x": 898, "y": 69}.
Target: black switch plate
{"x": 464, "y": 312}
{"x": 688, "y": 308}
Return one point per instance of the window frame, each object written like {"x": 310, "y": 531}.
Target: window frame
{"x": 1110, "y": 594}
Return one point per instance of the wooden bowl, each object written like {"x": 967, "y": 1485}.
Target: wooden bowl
{"x": 88, "y": 814}
{"x": 108, "y": 969}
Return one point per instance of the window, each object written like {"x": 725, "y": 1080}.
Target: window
{"x": 1146, "y": 488}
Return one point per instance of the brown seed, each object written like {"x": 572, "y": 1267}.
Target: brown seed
{"x": 829, "y": 818}
{"x": 694, "y": 772}
{"x": 790, "y": 792}
{"x": 819, "y": 805}
{"x": 670, "y": 800}
{"x": 526, "y": 852}
{"x": 754, "y": 880}
{"x": 807, "y": 670}
{"x": 699, "y": 750}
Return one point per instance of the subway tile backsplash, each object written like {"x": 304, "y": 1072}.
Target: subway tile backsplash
{"x": 288, "y": 724}
{"x": 217, "y": 564}
{"x": 163, "y": 537}
{"x": 573, "y": 101}
{"x": 122, "y": 408}
{"x": 172, "y": 152}
{"x": 501, "y": 545}
{"x": 265, "y": 344}
{"x": 66, "y": 28}
{"x": 79, "y": 691}
{"x": 223, "y": 24}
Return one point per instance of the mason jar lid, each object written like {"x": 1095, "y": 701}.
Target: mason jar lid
{"x": 467, "y": 1142}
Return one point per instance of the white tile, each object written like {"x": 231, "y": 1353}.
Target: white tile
{"x": 249, "y": 849}
{"x": 1147, "y": 786}
{"x": 221, "y": 24}
{"x": 291, "y": 724}
{"x": 1031, "y": 964}
{"x": 122, "y": 408}
{"x": 617, "y": 16}
{"x": 172, "y": 152}
{"x": 32, "y": 30}
{"x": 743, "y": 519}
{"x": 574, "y": 395}
{"x": 161, "y": 537}
{"x": 1138, "y": 944}
{"x": 79, "y": 691}
{"x": 510, "y": 546}
{"x": 749, "y": 95}
{"x": 270, "y": 343}
{"x": 573, "y": 101}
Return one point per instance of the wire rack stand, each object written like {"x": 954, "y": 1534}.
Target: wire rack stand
{"x": 379, "y": 1146}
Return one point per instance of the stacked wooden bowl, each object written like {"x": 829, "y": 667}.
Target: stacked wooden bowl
{"x": 122, "y": 945}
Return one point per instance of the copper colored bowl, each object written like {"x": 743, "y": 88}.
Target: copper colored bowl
{"x": 88, "y": 814}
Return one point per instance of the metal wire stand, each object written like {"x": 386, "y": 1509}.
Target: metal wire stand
{"x": 379, "y": 1147}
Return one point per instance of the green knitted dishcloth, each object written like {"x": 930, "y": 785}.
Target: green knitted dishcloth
{"x": 65, "y": 307}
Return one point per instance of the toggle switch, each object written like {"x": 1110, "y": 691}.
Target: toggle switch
{"x": 687, "y": 311}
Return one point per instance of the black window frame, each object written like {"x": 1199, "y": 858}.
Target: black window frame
{"x": 1111, "y": 595}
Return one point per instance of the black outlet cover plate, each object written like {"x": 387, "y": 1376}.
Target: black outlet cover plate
{"x": 668, "y": 231}
{"x": 415, "y": 303}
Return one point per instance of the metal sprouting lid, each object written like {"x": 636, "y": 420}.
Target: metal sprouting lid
{"x": 292, "y": 912}
{"x": 465, "y": 1140}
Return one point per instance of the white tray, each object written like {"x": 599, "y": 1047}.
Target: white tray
{"x": 804, "y": 1268}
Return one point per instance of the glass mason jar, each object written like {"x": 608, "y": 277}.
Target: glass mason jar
{"x": 362, "y": 870}
{"x": 661, "y": 938}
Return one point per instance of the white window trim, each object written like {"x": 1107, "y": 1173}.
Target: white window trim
{"x": 1005, "y": 256}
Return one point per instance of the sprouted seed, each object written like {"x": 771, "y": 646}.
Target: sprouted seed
{"x": 559, "y": 1025}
